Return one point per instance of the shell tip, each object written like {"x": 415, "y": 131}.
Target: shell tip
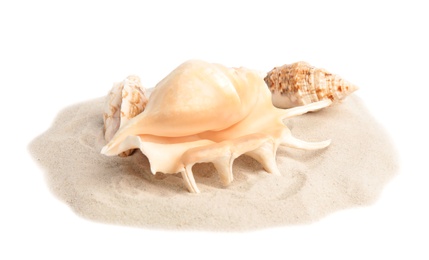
{"x": 105, "y": 150}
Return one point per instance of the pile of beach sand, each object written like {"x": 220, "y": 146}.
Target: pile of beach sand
{"x": 351, "y": 172}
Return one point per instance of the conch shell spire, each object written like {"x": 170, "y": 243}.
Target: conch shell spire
{"x": 204, "y": 112}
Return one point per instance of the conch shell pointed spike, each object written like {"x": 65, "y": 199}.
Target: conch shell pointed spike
{"x": 104, "y": 150}
{"x": 290, "y": 141}
{"x": 266, "y": 156}
{"x": 300, "y": 110}
{"x": 188, "y": 178}
{"x": 224, "y": 169}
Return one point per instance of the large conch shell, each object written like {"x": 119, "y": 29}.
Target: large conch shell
{"x": 203, "y": 112}
{"x": 300, "y": 84}
{"x": 126, "y": 99}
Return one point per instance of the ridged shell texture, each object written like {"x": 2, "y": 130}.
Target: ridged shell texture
{"x": 300, "y": 84}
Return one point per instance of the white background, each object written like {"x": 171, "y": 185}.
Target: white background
{"x": 56, "y": 53}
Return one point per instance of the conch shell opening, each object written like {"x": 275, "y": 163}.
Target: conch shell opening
{"x": 204, "y": 112}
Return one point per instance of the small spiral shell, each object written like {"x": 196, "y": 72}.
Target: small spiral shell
{"x": 300, "y": 84}
{"x": 126, "y": 100}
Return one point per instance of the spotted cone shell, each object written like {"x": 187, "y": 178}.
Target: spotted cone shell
{"x": 300, "y": 84}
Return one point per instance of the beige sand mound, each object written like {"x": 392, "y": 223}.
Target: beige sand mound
{"x": 350, "y": 172}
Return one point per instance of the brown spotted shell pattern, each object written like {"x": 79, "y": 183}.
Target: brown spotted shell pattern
{"x": 300, "y": 84}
